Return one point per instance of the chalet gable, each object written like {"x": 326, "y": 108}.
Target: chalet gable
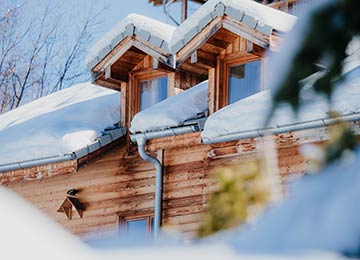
{"x": 226, "y": 34}
{"x": 246, "y": 18}
{"x": 144, "y": 58}
{"x": 121, "y": 49}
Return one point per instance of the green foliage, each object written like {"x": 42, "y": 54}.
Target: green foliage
{"x": 330, "y": 30}
{"x": 329, "y": 33}
{"x": 240, "y": 190}
{"x": 342, "y": 140}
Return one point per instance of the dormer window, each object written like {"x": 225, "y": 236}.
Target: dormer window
{"x": 148, "y": 87}
{"x": 243, "y": 80}
{"x": 153, "y": 91}
{"x": 239, "y": 75}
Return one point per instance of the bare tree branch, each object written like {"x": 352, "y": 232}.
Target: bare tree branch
{"x": 36, "y": 56}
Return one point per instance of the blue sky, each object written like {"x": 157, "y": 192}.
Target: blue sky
{"x": 111, "y": 13}
{"x": 115, "y": 10}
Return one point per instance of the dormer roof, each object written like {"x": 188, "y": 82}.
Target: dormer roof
{"x": 167, "y": 40}
{"x": 255, "y": 16}
{"x": 145, "y": 29}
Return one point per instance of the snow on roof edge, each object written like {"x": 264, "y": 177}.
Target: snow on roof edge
{"x": 108, "y": 137}
{"x": 255, "y": 15}
{"x": 313, "y": 114}
{"x": 173, "y": 111}
{"x": 171, "y": 39}
{"x": 58, "y": 124}
{"x": 148, "y": 29}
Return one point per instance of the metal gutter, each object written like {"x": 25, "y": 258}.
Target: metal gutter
{"x": 35, "y": 162}
{"x": 281, "y": 129}
{"x": 107, "y": 137}
{"x": 140, "y": 139}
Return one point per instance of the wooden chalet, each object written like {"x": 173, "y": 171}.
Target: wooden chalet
{"x": 159, "y": 172}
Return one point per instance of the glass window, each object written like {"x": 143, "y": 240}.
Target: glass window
{"x": 152, "y": 91}
{"x": 152, "y": 224}
{"x": 138, "y": 226}
{"x": 244, "y": 80}
{"x": 141, "y": 227}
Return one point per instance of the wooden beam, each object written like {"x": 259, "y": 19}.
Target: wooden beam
{"x": 165, "y": 68}
{"x": 194, "y": 57}
{"x": 184, "y": 140}
{"x": 194, "y": 69}
{"x": 123, "y": 104}
{"x": 120, "y": 76}
{"x": 218, "y": 43}
{"x": 107, "y": 84}
{"x": 211, "y": 91}
{"x": 225, "y": 35}
{"x": 153, "y": 51}
{"x": 171, "y": 84}
{"x": 282, "y": 4}
{"x": 246, "y": 32}
{"x": 184, "y": 10}
{"x": 203, "y": 59}
{"x": 198, "y": 40}
{"x": 210, "y": 48}
{"x": 206, "y": 55}
{"x": 114, "y": 55}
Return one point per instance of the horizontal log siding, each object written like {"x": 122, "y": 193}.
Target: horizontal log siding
{"x": 118, "y": 182}
{"x": 114, "y": 183}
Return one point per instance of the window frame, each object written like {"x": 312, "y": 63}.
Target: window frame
{"x": 225, "y": 63}
{"x": 139, "y": 77}
{"x": 124, "y": 217}
{"x": 139, "y": 80}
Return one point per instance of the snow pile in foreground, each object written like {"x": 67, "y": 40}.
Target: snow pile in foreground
{"x": 321, "y": 213}
{"x": 36, "y": 236}
{"x": 250, "y": 113}
{"x": 27, "y": 233}
{"x": 57, "y": 124}
{"x": 172, "y": 111}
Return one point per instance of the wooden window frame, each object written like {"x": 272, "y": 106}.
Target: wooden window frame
{"x": 134, "y": 90}
{"x": 224, "y": 63}
{"x": 124, "y": 217}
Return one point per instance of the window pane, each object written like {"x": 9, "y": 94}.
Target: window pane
{"x": 152, "y": 92}
{"x": 244, "y": 80}
{"x": 152, "y": 225}
{"x": 137, "y": 227}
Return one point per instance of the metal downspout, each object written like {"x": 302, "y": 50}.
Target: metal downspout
{"x": 141, "y": 141}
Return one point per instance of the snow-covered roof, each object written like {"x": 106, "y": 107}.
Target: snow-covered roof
{"x": 173, "y": 111}
{"x": 58, "y": 124}
{"x": 257, "y": 16}
{"x": 170, "y": 39}
{"x": 248, "y": 116}
{"x": 145, "y": 28}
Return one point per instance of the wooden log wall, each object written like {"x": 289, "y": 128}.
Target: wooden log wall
{"x": 118, "y": 182}
{"x": 38, "y": 172}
